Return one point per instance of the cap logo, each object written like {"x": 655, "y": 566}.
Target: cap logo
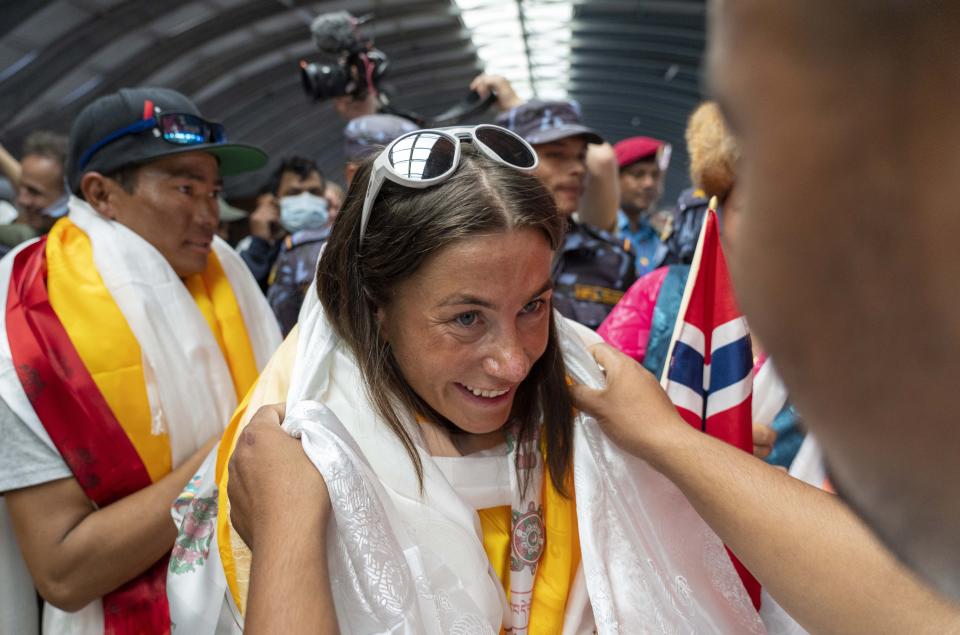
{"x": 549, "y": 121}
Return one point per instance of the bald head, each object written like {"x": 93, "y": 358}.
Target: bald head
{"x": 845, "y": 115}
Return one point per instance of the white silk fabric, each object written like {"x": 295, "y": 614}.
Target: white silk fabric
{"x": 189, "y": 386}
{"x": 406, "y": 562}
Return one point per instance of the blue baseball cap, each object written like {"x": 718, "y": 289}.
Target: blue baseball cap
{"x": 366, "y": 135}
{"x": 546, "y": 121}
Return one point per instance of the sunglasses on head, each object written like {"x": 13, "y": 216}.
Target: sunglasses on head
{"x": 423, "y": 158}
{"x": 178, "y": 128}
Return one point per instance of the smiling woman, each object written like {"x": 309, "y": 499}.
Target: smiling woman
{"x": 428, "y": 383}
{"x": 450, "y": 290}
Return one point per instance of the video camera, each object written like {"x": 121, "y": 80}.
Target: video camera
{"x": 352, "y": 66}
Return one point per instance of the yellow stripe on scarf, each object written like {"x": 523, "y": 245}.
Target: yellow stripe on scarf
{"x": 558, "y": 564}
{"x": 270, "y": 388}
{"x": 108, "y": 348}
{"x": 555, "y": 573}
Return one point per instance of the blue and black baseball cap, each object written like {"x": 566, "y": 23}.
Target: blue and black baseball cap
{"x": 546, "y": 121}
{"x": 137, "y": 125}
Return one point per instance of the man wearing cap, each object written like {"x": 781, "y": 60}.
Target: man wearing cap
{"x": 593, "y": 268}
{"x": 129, "y": 334}
{"x": 296, "y": 263}
{"x": 643, "y": 162}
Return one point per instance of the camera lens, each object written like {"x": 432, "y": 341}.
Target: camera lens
{"x": 321, "y": 81}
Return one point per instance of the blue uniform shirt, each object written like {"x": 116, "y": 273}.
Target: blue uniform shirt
{"x": 646, "y": 243}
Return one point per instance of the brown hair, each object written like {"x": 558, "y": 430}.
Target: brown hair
{"x": 406, "y": 227}
{"x": 713, "y": 151}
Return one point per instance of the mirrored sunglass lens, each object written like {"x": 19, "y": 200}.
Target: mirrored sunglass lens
{"x": 184, "y": 129}
{"x": 422, "y": 156}
{"x": 507, "y": 147}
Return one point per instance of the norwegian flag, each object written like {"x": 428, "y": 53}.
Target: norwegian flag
{"x": 709, "y": 377}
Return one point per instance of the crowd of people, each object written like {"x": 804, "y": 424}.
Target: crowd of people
{"x": 449, "y": 398}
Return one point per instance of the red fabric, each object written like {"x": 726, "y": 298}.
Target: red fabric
{"x": 712, "y": 304}
{"x": 635, "y": 149}
{"x": 627, "y": 327}
{"x": 84, "y": 429}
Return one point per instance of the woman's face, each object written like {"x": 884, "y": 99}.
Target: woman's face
{"x": 467, "y": 328}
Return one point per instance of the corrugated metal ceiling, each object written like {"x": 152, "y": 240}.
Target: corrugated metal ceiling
{"x": 635, "y": 66}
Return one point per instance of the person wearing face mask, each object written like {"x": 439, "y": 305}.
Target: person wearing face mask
{"x": 293, "y": 176}
{"x": 306, "y": 218}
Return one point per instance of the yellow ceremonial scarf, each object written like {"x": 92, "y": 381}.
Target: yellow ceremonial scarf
{"x": 555, "y": 573}
{"x": 108, "y": 348}
{"x": 558, "y": 564}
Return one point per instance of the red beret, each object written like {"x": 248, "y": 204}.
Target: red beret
{"x": 637, "y": 149}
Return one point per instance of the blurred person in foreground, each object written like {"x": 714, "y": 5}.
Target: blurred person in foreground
{"x": 859, "y": 309}
{"x": 130, "y": 334}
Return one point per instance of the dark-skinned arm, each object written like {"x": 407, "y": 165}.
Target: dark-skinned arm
{"x": 77, "y": 553}
{"x": 804, "y": 545}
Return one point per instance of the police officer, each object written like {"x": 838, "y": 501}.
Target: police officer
{"x": 642, "y": 163}
{"x": 593, "y": 268}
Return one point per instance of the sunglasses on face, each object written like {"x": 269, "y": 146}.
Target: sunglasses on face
{"x": 423, "y": 158}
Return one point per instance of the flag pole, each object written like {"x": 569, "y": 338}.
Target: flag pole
{"x": 688, "y": 289}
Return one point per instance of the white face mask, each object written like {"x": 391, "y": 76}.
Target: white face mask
{"x": 303, "y": 211}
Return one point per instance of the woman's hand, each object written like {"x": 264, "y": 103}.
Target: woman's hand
{"x": 280, "y": 506}
{"x": 633, "y": 409}
{"x": 273, "y": 487}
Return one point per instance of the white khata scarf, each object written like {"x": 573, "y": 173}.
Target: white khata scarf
{"x": 174, "y": 338}
{"x": 406, "y": 561}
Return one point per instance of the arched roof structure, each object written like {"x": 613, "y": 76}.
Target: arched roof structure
{"x": 634, "y": 65}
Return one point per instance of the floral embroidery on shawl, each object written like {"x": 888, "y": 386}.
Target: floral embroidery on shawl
{"x": 192, "y": 547}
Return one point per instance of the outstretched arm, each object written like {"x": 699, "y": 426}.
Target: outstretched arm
{"x": 805, "y": 546}
{"x": 280, "y": 507}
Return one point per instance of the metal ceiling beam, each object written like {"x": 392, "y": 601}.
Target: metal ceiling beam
{"x": 60, "y": 57}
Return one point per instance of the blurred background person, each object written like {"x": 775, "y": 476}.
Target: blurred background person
{"x": 642, "y": 164}
{"x": 280, "y": 212}
{"x": 40, "y": 185}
